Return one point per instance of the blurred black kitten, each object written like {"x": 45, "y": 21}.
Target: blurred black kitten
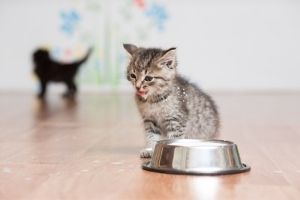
{"x": 49, "y": 70}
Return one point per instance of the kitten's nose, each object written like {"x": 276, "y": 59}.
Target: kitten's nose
{"x": 137, "y": 87}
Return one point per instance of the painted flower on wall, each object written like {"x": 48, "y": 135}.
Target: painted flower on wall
{"x": 110, "y": 24}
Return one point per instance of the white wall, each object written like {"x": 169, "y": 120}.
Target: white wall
{"x": 233, "y": 45}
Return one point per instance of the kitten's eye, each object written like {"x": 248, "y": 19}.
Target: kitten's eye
{"x": 148, "y": 78}
{"x": 132, "y": 76}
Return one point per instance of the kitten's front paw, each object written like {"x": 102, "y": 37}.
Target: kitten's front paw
{"x": 175, "y": 135}
{"x": 146, "y": 153}
{"x": 68, "y": 95}
{"x": 40, "y": 96}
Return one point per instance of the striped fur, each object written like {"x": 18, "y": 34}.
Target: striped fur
{"x": 171, "y": 107}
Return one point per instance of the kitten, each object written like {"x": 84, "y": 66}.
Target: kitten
{"x": 49, "y": 70}
{"x": 170, "y": 106}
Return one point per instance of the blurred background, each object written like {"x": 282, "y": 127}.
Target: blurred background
{"x": 233, "y": 45}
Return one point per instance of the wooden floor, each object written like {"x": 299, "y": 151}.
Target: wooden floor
{"x": 89, "y": 149}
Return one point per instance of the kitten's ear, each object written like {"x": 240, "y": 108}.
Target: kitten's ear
{"x": 168, "y": 59}
{"x": 130, "y": 48}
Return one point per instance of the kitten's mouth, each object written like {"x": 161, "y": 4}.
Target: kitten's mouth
{"x": 141, "y": 93}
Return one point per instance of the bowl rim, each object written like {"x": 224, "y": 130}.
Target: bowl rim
{"x": 147, "y": 166}
{"x": 194, "y": 142}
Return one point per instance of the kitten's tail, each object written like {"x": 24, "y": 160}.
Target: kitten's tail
{"x": 85, "y": 57}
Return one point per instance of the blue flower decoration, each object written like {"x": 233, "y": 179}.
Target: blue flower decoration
{"x": 70, "y": 19}
{"x": 158, "y": 14}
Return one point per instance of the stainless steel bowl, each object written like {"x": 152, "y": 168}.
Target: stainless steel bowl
{"x": 192, "y": 156}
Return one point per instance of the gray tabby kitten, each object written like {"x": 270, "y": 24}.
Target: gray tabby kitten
{"x": 170, "y": 106}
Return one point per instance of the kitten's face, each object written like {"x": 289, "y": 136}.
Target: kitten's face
{"x": 150, "y": 71}
{"x": 41, "y": 57}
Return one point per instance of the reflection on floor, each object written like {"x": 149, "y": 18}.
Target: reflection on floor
{"x": 88, "y": 149}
